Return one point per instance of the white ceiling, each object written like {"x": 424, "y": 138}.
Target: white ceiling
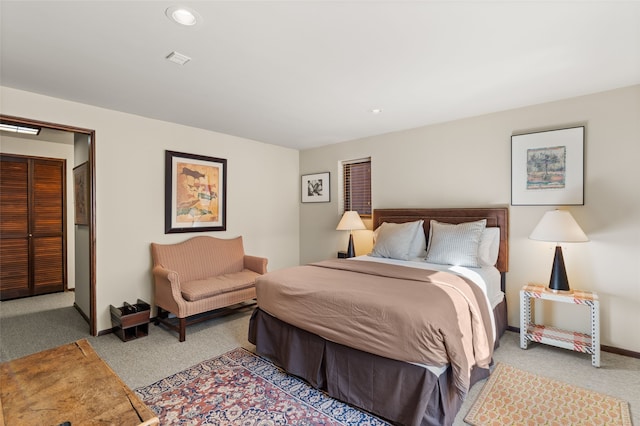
{"x": 304, "y": 74}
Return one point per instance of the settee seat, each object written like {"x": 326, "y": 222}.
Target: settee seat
{"x": 214, "y": 286}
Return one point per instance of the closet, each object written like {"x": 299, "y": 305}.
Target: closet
{"x": 32, "y": 226}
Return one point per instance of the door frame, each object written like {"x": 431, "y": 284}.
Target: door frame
{"x": 92, "y": 200}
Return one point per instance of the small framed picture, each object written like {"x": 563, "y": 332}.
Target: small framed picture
{"x": 547, "y": 168}
{"x": 316, "y": 188}
{"x": 81, "y": 193}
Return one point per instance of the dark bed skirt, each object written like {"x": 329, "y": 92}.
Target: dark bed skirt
{"x": 401, "y": 393}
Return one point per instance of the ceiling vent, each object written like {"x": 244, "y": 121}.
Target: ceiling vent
{"x": 178, "y": 58}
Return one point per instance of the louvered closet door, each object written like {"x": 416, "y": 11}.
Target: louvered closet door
{"x": 47, "y": 238}
{"x": 32, "y": 228}
{"x": 14, "y": 228}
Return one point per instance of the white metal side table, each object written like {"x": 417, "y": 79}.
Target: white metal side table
{"x": 579, "y": 342}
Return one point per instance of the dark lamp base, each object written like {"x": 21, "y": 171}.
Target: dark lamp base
{"x": 559, "y": 281}
{"x": 351, "y": 251}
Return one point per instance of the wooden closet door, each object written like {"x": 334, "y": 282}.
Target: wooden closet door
{"x": 32, "y": 243}
{"x": 47, "y": 226}
{"x": 14, "y": 228}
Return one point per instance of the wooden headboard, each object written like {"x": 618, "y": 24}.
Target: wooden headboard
{"x": 496, "y": 217}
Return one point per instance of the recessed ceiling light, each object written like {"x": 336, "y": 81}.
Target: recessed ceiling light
{"x": 375, "y": 110}
{"x": 183, "y": 15}
{"x": 19, "y": 129}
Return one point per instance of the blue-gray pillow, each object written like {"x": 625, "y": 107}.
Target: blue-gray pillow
{"x": 395, "y": 240}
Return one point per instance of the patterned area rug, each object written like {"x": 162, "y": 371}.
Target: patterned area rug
{"x": 240, "y": 388}
{"x": 512, "y": 396}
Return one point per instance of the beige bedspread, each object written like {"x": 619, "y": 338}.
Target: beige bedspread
{"x": 408, "y": 314}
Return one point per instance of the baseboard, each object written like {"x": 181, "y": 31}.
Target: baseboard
{"x": 86, "y": 318}
{"x": 603, "y": 348}
{"x": 619, "y": 351}
{"x": 514, "y": 329}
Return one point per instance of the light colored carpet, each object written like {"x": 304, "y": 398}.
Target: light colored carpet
{"x": 37, "y": 323}
{"x": 512, "y": 396}
{"x": 148, "y": 359}
{"x": 618, "y": 376}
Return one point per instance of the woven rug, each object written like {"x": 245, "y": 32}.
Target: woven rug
{"x": 240, "y": 388}
{"x": 515, "y": 397}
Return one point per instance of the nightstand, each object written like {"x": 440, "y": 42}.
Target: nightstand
{"x": 579, "y": 342}
{"x": 342, "y": 255}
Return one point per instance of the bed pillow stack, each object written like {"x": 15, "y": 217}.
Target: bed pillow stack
{"x": 469, "y": 244}
{"x": 403, "y": 241}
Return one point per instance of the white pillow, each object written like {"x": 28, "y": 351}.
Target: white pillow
{"x": 395, "y": 240}
{"x": 489, "y": 247}
{"x": 451, "y": 244}
{"x": 419, "y": 243}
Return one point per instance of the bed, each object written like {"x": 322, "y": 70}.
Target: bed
{"x": 404, "y": 333}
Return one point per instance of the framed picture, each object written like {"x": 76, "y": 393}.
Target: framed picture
{"x": 195, "y": 193}
{"x": 81, "y": 193}
{"x": 547, "y": 168}
{"x": 316, "y": 188}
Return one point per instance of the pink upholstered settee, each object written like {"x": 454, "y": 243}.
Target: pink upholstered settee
{"x": 202, "y": 275}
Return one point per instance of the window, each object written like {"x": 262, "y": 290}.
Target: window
{"x": 356, "y": 178}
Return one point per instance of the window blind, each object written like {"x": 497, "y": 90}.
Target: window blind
{"x": 357, "y": 186}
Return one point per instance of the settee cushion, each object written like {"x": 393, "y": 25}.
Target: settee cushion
{"x": 202, "y": 289}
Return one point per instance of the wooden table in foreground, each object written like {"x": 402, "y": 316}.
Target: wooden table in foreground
{"x": 70, "y": 383}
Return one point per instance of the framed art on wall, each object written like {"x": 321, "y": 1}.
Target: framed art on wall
{"x": 81, "y": 193}
{"x": 547, "y": 168}
{"x": 315, "y": 188}
{"x": 195, "y": 193}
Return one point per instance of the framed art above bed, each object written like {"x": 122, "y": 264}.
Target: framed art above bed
{"x": 547, "y": 168}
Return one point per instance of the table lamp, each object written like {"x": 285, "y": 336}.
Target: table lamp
{"x": 560, "y": 227}
{"x": 349, "y": 222}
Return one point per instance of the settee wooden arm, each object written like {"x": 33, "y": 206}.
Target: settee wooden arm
{"x": 256, "y": 263}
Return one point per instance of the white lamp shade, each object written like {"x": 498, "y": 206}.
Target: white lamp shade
{"x": 350, "y": 221}
{"x": 560, "y": 227}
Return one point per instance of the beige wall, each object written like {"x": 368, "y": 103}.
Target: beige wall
{"x": 262, "y": 199}
{"x": 468, "y": 163}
